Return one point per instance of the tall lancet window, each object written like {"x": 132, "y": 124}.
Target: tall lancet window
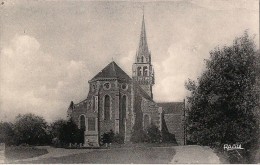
{"x": 145, "y": 71}
{"x": 146, "y": 121}
{"x": 142, "y": 59}
{"x": 107, "y": 108}
{"x": 139, "y": 71}
{"x": 123, "y": 114}
{"x": 94, "y": 103}
{"x": 82, "y": 123}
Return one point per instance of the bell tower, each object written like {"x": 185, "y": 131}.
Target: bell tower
{"x": 143, "y": 72}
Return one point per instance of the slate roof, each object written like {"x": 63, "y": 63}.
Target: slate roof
{"x": 172, "y": 107}
{"x": 139, "y": 89}
{"x": 174, "y": 125}
{"x": 173, "y": 117}
{"x": 112, "y": 70}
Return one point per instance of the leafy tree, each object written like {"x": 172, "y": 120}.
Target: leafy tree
{"x": 70, "y": 133}
{"x": 30, "y": 129}
{"x": 56, "y": 131}
{"x": 6, "y": 133}
{"x": 222, "y": 102}
{"x": 64, "y": 132}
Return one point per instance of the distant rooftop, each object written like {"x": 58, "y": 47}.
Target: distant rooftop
{"x": 172, "y": 107}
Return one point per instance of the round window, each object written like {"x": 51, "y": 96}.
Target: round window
{"x": 124, "y": 86}
{"x": 107, "y": 85}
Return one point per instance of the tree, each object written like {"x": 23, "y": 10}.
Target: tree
{"x": 64, "y": 132}
{"x": 70, "y": 133}
{"x": 223, "y": 101}
{"x": 6, "y": 133}
{"x": 56, "y": 131}
{"x": 30, "y": 129}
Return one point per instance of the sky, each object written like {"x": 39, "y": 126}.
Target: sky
{"x": 50, "y": 49}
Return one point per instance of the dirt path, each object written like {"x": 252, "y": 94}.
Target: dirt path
{"x": 55, "y": 153}
{"x": 184, "y": 154}
{"x": 195, "y": 154}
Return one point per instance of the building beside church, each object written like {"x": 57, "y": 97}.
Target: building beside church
{"x": 118, "y": 102}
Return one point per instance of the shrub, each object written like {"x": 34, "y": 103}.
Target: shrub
{"x": 118, "y": 139}
{"x": 168, "y": 137}
{"x": 139, "y": 136}
{"x": 106, "y": 138}
{"x": 154, "y": 134}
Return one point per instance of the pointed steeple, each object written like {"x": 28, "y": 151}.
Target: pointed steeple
{"x": 143, "y": 46}
{"x": 143, "y": 72}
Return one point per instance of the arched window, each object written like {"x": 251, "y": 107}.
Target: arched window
{"x": 145, "y": 71}
{"x": 107, "y": 108}
{"x": 82, "y": 124}
{"x": 124, "y": 107}
{"x": 146, "y": 121}
{"x": 94, "y": 103}
{"x": 139, "y": 71}
{"x": 142, "y": 59}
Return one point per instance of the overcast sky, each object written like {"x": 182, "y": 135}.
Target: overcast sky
{"x": 50, "y": 49}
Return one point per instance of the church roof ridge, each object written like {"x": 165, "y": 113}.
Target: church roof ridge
{"x": 172, "y": 107}
{"x": 171, "y": 102}
{"x": 112, "y": 70}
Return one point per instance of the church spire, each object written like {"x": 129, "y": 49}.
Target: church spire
{"x": 143, "y": 72}
{"x": 143, "y": 46}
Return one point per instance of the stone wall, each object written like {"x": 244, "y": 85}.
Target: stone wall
{"x": 93, "y": 106}
{"x": 151, "y": 109}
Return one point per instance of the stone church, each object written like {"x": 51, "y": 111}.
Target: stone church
{"x": 117, "y": 102}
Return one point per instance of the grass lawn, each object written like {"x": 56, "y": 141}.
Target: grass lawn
{"x": 20, "y": 152}
{"x": 137, "y": 155}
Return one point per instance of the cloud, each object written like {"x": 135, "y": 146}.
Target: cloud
{"x": 126, "y": 62}
{"x": 184, "y": 61}
{"x": 227, "y": 4}
{"x": 34, "y": 81}
{"x": 42, "y": 71}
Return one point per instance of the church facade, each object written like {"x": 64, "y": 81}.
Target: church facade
{"x": 117, "y": 102}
